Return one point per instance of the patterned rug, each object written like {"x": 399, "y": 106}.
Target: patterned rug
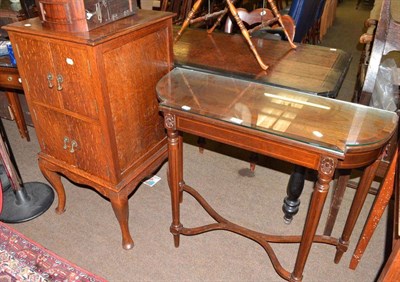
{"x": 21, "y": 259}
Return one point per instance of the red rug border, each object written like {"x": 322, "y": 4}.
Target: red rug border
{"x": 52, "y": 253}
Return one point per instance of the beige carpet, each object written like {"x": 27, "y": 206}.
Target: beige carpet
{"x": 88, "y": 235}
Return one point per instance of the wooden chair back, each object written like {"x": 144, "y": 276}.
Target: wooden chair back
{"x": 256, "y": 17}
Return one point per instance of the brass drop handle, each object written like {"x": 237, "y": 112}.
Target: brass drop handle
{"x": 59, "y": 82}
{"x": 49, "y": 80}
{"x": 74, "y": 145}
{"x": 66, "y": 140}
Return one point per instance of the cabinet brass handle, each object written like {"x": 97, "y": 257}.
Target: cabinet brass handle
{"x": 66, "y": 140}
{"x": 59, "y": 82}
{"x": 49, "y": 80}
{"x": 74, "y": 145}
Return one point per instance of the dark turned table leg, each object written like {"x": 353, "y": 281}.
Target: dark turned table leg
{"x": 294, "y": 189}
{"x": 201, "y": 142}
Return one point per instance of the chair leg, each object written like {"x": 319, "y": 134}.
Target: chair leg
{"x": 245, "y": 34}
{"x": 337, "y": 197}
{"x": 253, "y": 161}
{"x": 380, "y": 203}
{"x": 201, "y": 142}
{"x": 356, "y": 206}
{"x": 190, "y": 15}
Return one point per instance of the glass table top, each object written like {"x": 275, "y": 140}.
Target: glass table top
{"x": 321, "y": 122}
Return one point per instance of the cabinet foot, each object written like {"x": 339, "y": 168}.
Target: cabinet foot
{"x": 55, "y": 180}
{"x": 121, "y": 211}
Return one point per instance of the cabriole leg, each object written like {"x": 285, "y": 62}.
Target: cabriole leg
{"x": 121, "y": 211}
{"x": 55, "y": 180}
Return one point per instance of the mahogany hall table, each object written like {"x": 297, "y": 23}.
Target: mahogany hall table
{"x": 279, "y": 123}
{"x": 309, "y": 68}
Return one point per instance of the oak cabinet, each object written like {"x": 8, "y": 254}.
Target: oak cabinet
{"x": 93, "y": 102}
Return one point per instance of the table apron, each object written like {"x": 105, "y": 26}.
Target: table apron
{"x": 9, "y": 79}
{"x": 270, "y": 145}
{"x": 265, "y": 144}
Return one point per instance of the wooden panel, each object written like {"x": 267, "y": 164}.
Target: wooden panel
{"x": 51, "y": 128}
{"x": 90, "y": 153}
{"x": 34, "y": 62}
{"x": 132, "y": 71}
{"x": 70, "y": 63}
{"x": 73, "y": 65}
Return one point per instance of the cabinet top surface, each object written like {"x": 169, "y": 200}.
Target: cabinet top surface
{"x": 141, "y": 19}
{"x": 320, "y": 122}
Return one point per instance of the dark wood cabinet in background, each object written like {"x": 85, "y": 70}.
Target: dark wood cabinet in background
{"x": 93, "y": 102}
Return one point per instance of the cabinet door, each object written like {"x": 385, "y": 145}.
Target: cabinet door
{"x": 78, "y": 143}
{"x": 74, "y": 79}
{"x": 57, "y": 74}
{"x": 90, "y": 151}
{"x": 36, "y": 65}
{"x": 52, "y": 132}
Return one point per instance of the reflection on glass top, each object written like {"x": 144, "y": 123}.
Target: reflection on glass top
{"x": 322, "y": 122}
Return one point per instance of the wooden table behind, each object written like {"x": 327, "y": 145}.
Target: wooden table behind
{"x": 309, "y": 68}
